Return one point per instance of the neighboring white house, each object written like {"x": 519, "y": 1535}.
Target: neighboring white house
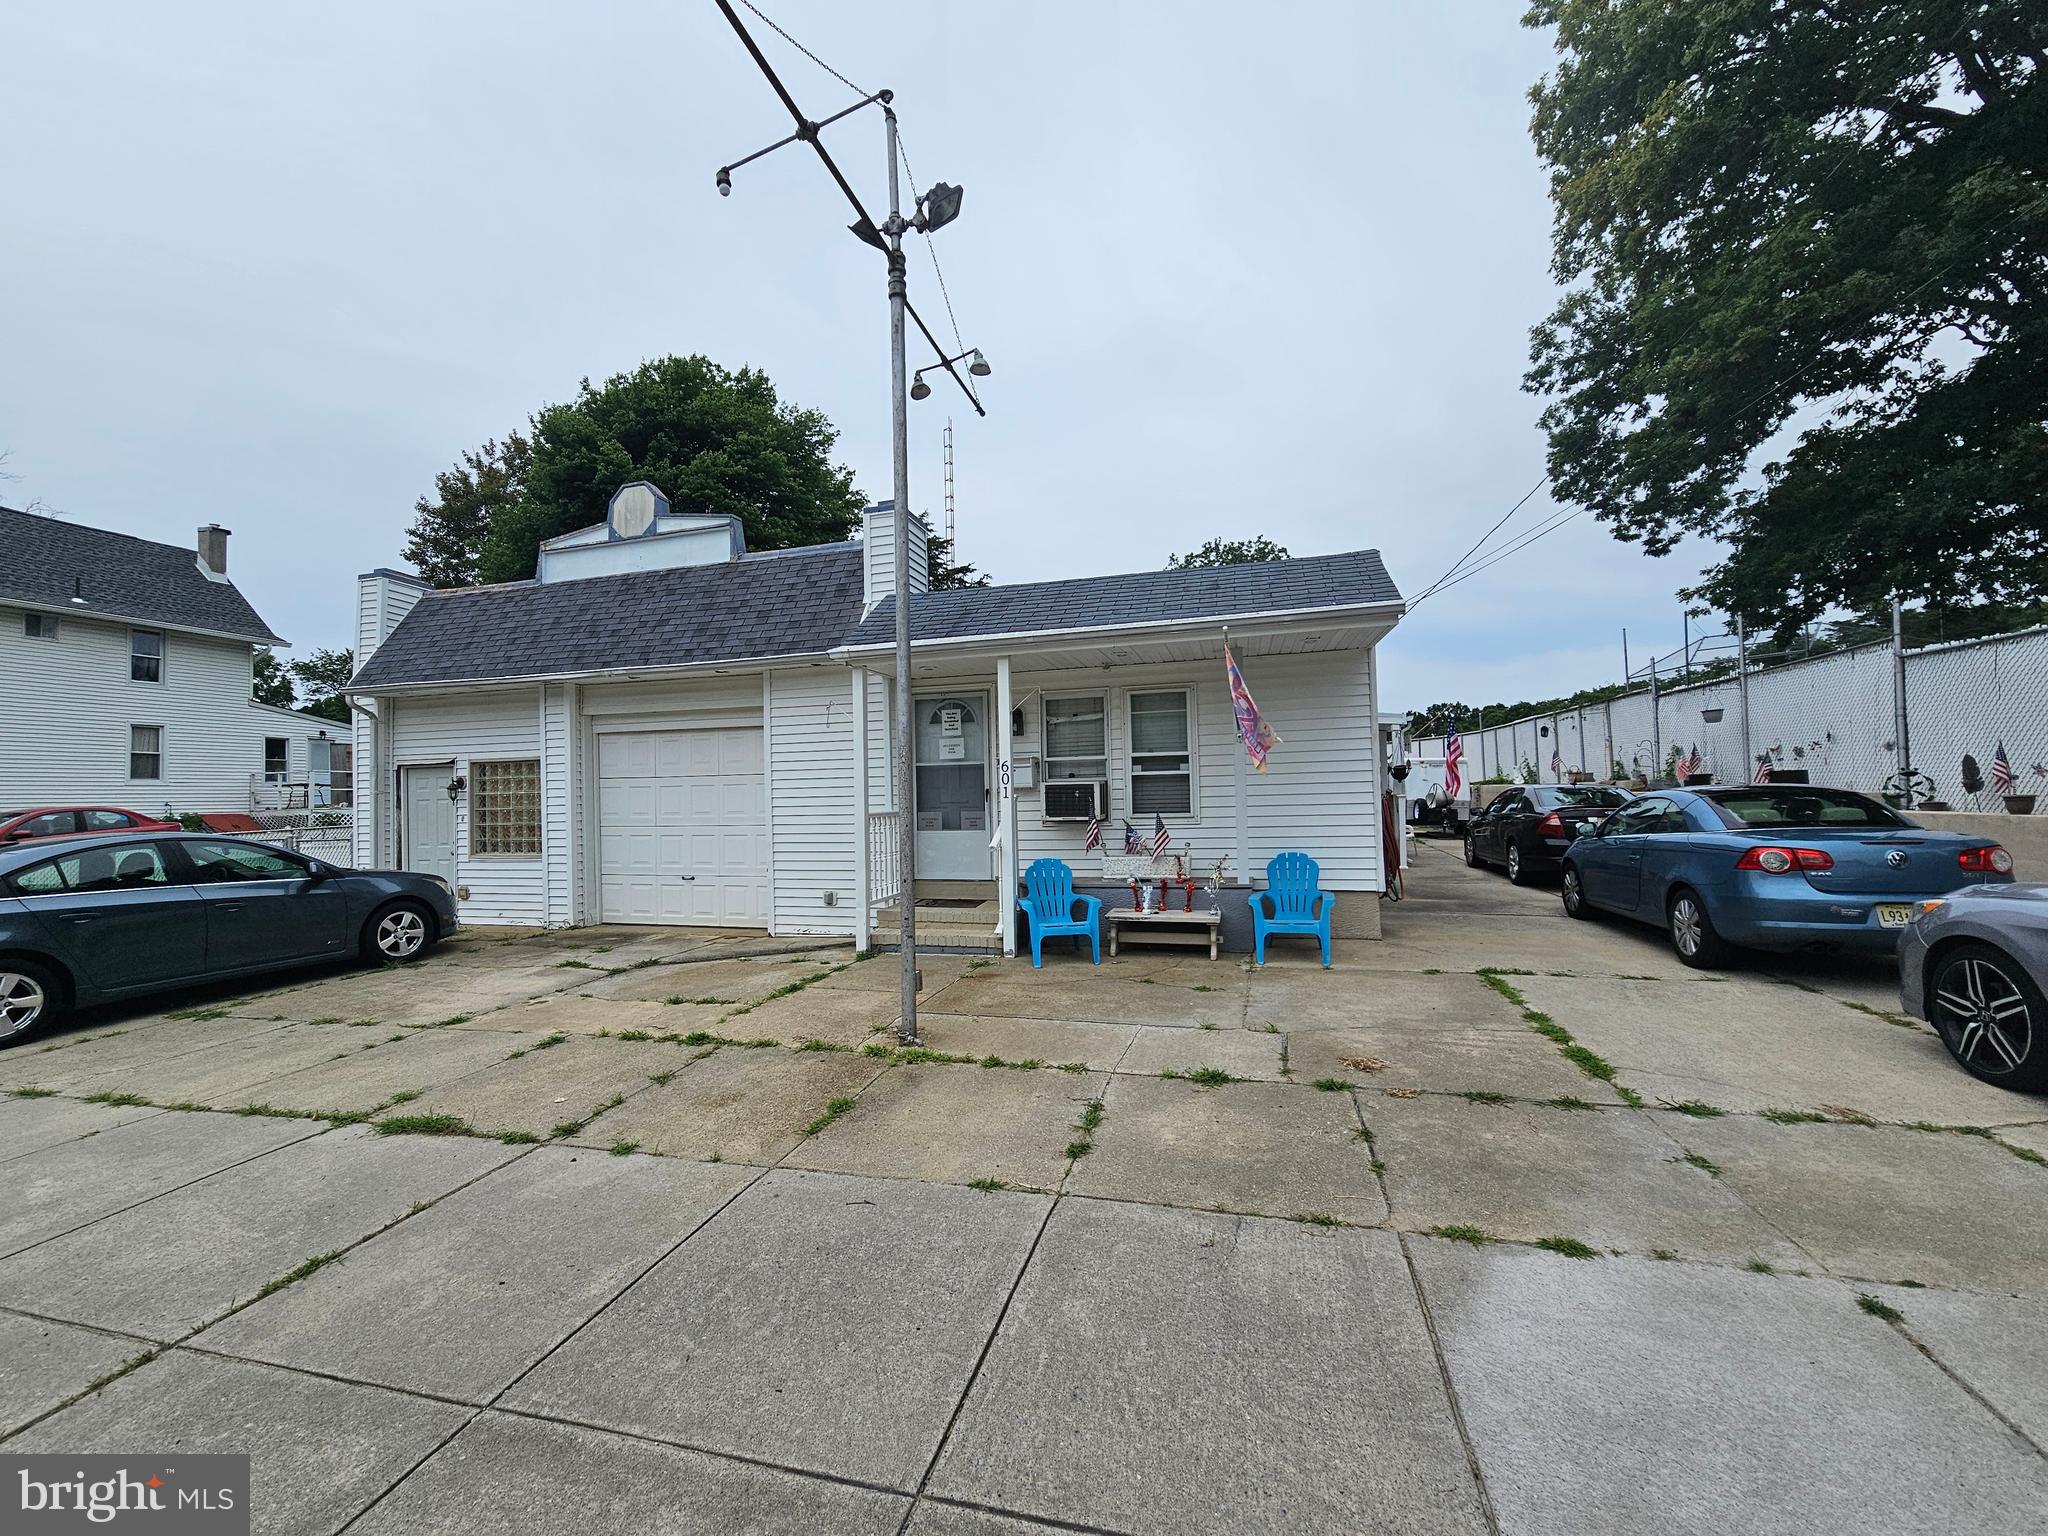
{"x": 125, "y": 676}
{"x": 665, "y": 728}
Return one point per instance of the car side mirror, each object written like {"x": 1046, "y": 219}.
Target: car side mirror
{"x": 1585, "y": 829}
{"x": 315, "y": 873}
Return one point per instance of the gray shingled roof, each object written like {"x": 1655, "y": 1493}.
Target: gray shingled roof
{"x": 44, "y": 561}
{"x": 1146, "y": 597}
{"x": 782, "y": 604}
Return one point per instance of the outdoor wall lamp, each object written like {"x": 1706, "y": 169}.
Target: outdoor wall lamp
{"x": 456, "y": 786}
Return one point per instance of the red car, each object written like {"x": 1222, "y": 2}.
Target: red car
{"x": 70, "y": 820}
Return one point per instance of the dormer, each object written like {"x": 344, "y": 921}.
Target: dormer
{"x": 641, "y": 533}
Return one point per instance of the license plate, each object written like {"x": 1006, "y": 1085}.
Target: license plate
{"x": 1893, "y": 914}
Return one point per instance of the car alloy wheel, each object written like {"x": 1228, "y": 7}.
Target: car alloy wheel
{"x": 1471, "y": 854}
{"x": 1574, "y": 894}
{"x": 1983, "y": 1015}
{"x": 1688, "y": 927}
{"x": 400, "y": 934}
{"x": 1514, "y": 863}
{"x": 22, "y": 1001}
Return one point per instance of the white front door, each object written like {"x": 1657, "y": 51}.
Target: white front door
{"x": 951, "y": 741}
{"x": 682, "y": 827}
{"x": 429, "y": 821}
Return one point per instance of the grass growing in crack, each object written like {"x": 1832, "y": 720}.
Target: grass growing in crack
{"x": 110, "y": 1096}
{"x": 549, "y": 1042}
{"x": 988, "y": 1186}
{"x": 574, "y": 965}
{"x": 1073, "y": 1066}
{"x": 1698, "y": 1109}
{"x": 198, "y": 1013}
{"x": 624, "y": 1148}
{"x": 1760, "y": 1267}
{"x": 293, "y": 1276}
{"x": 1570, "y": 1247}
{"x": 1091, "y": 1117}
{"x": 1705, "y": 1165}
{"x": 404, "y": 1096}
{"x": 1319, "y": 1219}
{"x": 1793, "y": 1116}
{"x": 1629, "y": 1096}
{"x": 1332, "y": 1084}
{"x": 450, "y": 1022}
{"x": 914, "y": 1054}
{"x": 1593, "y": 1064}
{"x": 833, "y": 1111}
{"x": 709, "y": 1002}
{"x": 518, "y": 1138}
{"x": 633, "y": 1034}
{"x": 1483, "y": 1096}
{"x": 1879, "y": 1309}
{"x": 661, "y": 1079}
{"x": 271, "y": 1112}
{"x": 1665, "y": 1254}
{"x": 1201, "y": 1077}
{"x": 1458, "y": 1232}
{"x": 32, "y": 1092}
{"x": 2024, "y": 1154}
{"x": 190, "y": 1106}
{"x": 133, "y": 1362}
{"x": 1570, "y": 1101}
{"x": 423, "y": 1125}
{"x": 823, "y": 1045}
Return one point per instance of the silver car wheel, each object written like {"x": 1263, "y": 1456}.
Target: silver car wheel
{"x": 1686, "y": 925}
{"x": 1573, "y": 896}
{"x": 1984, "y": 1015}
{"x": 22, "y": 1001}
{"x": 1515, "y": 863}
{"x": 400, "y": 934}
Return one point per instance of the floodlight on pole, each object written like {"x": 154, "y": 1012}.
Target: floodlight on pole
{"x": 919, "y": 390}
{"x": 938, "y": 208}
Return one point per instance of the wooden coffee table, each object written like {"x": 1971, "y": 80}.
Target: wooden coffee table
{"x": 1187, "y": 929}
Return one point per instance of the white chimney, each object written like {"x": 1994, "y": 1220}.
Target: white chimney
{"x": 878, "y": 554}
{"x": 213, "y": 549}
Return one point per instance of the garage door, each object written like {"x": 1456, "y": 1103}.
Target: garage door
{"x": 682, "y": 828}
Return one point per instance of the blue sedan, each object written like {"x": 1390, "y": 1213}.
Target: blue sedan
{"x": 1770, "y": 866}
{"x": 90, "y": 919}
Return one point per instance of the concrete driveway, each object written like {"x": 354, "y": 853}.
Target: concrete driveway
{"x": 1508, "y": 1223}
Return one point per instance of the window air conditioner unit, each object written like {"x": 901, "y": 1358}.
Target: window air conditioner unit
{"x": 1076, "y": 799}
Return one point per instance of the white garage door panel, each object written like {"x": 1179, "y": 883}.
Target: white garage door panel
{"x": 682, "y": 803}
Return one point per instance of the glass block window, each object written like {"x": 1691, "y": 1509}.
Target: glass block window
{"x": 504, "y": 806}
{"x": 1162, "y": 753}
{"x": 1076, "y": 738}
{"x": 145, "y": 751}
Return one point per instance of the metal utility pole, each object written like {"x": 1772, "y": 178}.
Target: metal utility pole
{"x": 936, "y": 208}
{"x": 1742, "y": 689}
{"x": 1905, "y": 751}
{"x": 1656, "y": 729}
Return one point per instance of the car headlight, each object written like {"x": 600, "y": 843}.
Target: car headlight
{"x": 442, "y": 883}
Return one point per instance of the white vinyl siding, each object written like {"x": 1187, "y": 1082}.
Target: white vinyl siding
{"x": 479, "y": 725}
{"x": 811, "y": 798}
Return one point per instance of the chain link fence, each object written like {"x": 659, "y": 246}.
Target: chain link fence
{"x": 1835, "y": 716}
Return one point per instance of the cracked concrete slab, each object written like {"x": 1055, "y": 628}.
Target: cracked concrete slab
{"x": 1998, "y": 1345}
{"x": 462, "y": 1298}
{"x": 730, "y": 981}
{"x": 844, "y": 1017}
{"x": 319, "y": 1451}
{"x": 1266, "y": 1148}
{"x": 573, "y": 1013}
{"x": 542, "y": 1089}
{"x": 954, "y": 1124}
{"x": 1339, "y": 1000}
{"x": 1245, "y": 1053}
{"x": 1052, "y": 1041}
{"x": 884, "y": 973}
{"x": 736, "y": 1106}
{"x": 166, "y": 1267}
{"x": 1110, "y": 1400}
{"x": 1499, "y": 1056}
{"x": 364, "y": 1080}
{"x": 226, "y": 1076}
{"x": 822, "y": 1323}
{"x": 1624, "y": 1395}
{"x": 29, "y": 1125}
{"x": 1084, "y": 992}
{"x": 49, "y": 1362}
{"x": 70, "y": 1063}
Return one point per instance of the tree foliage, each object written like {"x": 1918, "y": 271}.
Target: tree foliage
{"x": 446, "y": 539}
{"x": 323, "y": 674}
{"x": 947, "y": 573}
{"x": 1817, "y": 218}
{"x": 1228, "y": 552}
{"x": 713, "y": 439}
{"x": 270, "y": 682}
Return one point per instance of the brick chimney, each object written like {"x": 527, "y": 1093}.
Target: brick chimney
{"x": 213, "y": 548}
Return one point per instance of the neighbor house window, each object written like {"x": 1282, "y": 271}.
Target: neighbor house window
{"x": 1077, "y": 738}
{"x": 504, "y": 806}
{"x": 146, "y": 655}
{"x": 145, "y": 751}
{"x": 39, "y": 626}
{"x": 276, "y": 759}
{"x": 1162, "y": 753}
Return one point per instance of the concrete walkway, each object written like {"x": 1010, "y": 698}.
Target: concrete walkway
{"x": 1507, "y": 1223}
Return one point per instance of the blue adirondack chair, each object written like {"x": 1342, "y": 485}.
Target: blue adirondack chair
{"x": 1049, "y": 902}
{"x": 1292, "y": 903}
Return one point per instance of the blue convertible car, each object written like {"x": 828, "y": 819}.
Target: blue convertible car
{"x": 1770, "y": 866}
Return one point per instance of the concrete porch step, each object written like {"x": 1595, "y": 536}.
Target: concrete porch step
{"x": 969, "y": 927}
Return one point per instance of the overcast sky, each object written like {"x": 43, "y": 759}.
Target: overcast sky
{"x": 1238, "y": 269}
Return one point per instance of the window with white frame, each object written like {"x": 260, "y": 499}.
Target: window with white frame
{"x": 504, "y": 806}
{"x": 145, "y": 751}
{"x": 39, "y": 626}
{"x": 1162, "y": 752}
{"x": 146, "y": 655}
{"x": 1076, "y": 737}
{"x": 276, "y": 759}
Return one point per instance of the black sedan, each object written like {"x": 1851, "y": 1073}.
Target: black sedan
{"x": 1527, "y": 829}
{"x": 93, "y": 919}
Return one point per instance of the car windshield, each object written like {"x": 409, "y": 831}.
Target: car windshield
{"x": 1800, "y": 805}
{"x": 1551, "y": 796}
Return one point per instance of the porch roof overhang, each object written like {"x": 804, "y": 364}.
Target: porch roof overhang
{"x": 1342, "y": 627}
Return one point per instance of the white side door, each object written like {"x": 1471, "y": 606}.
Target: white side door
{"x": 951, "y": 738}
{"x": 683, "y": 827}
{"x": 429, "y": 820}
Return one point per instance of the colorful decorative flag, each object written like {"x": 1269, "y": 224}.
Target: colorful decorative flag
{"x": 1763, "y": 769}
{"x": 2002, "y": 779}
{"x": 1159, "y": 837}
{"x": 1131, "y": 842}
{"x": 1094, "y": 838}
{"x": 1258, "y": 737}
{"x": 1454, "y": 757}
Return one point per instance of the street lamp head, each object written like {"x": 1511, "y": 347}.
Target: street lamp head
{"x": 940, "y": 207}
{"x": 724, "y": 182}
{"x": 919, "y": 390}
{"x": 979, "y": 367}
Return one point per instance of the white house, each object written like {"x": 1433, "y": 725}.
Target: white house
{"x": 665, "y": 728}
{"x": 125, "y": 675}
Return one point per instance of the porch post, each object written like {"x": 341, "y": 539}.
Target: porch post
{"x": 862, "y": 876}
{"x": 1006, "y": 813}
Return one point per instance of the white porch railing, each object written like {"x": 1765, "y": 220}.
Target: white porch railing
{"x": 885, "y": 869}
{"x": 268, "y": 794}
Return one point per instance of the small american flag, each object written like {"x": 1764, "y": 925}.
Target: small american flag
{"x": 1131, "y": 842}
{"x": 1094, "y": 838}
{"x": 1556, "y": 764}
{"x": 1454, "y": 757}
{"x": 2002, "y": 779}
{"x": 1763, "y": 769}
{"x": 1691, "y": 763}
{"x": 1159, "y": 837}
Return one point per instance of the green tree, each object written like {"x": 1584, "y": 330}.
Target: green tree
{"x": 272, "y": 682}
{"x": 1228, "y": 552}
{"x": 1815, "y": 218}
{"x": 446, "y": 539}
{"x": 713, "y": 439}
{"x": 946, "y": 573}
{"x": 323, "y": 675}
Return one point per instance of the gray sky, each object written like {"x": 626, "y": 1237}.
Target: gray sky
{"x": 1238, "y": 269}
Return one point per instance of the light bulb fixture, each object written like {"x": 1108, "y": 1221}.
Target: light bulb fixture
{"x": 724, "y": 182}
{"x": 979, "y": 367}
{"x": 919, "y": 390}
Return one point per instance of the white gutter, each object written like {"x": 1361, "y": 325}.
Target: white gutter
{"x": 1011, "y": 639}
